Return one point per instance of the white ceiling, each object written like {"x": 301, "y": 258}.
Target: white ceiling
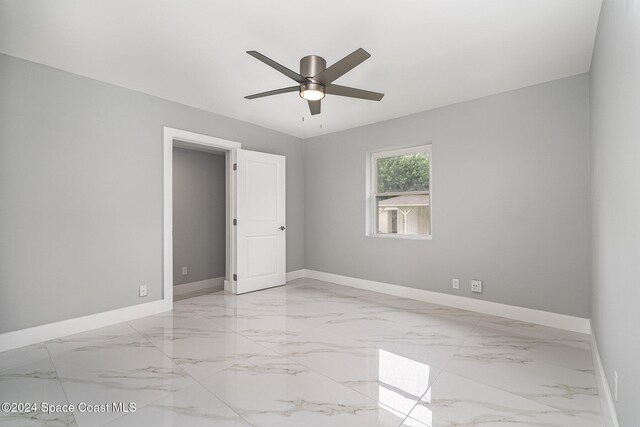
{"x": 425, "y": 53}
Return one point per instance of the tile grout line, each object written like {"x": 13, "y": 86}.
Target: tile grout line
{"x": 559, "y": 410}
{"x": 555, "y": 409}
{"x": 192, "y": 377}
{"x": 46, "y": 347}
{"x": 440, "y": 372}
{"x": 218, "y": 397}
{"x": 167, "y": 393}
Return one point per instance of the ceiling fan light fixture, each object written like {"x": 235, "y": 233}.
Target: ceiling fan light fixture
{"x": 312, "y": 91}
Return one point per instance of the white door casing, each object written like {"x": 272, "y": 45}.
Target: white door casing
{"x": 261, "y": 232}
{"x": 185, "y": 139}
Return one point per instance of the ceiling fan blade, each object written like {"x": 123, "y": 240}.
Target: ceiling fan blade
{"x": 353, "y": 92}
{"x": 343, "y": 66}
{"x": 274, "y": 92}
{"x": 273, "y": 64}
{"x": 314, "y": 107}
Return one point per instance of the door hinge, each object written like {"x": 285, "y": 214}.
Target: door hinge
{"x": 235, "y": 166}
{"x": 235, "y": 277}
{"x": 235, "y": 221}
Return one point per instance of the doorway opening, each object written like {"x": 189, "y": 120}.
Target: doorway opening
{"x": 199, "y": 227}
{"x": 201, "y": 243}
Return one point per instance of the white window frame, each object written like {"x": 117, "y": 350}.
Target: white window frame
{"x": 372, "y": 186}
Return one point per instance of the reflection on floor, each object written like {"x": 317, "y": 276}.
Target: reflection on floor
{"x": 309, "y": 354}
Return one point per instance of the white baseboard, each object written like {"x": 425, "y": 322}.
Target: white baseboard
{"x": 608, "y": 407}
{"x": 215, "y": 284}
{"x": 36, "y": 334}
{"x": 296, "y": 274}
{"x": 16, "y": 339}
{"x": 554, "y": 320}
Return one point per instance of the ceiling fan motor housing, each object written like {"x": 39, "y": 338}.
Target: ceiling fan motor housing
{"x": 312, "y": 65}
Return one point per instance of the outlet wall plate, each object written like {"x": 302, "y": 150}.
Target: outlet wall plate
{"x": 185, "y": 271}
{"x": 143, "y": 291}
{"x": 455, "y": 283}
{"x": 476, "y": 286}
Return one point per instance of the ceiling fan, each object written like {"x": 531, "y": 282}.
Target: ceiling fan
{"x": 316, "y": 80}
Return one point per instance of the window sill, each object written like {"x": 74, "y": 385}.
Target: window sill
{"x": 401, "y": 236}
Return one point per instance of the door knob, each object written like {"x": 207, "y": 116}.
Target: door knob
{"x": 282, "y": 227}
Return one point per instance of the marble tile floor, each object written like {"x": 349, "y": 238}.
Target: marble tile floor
{"x": 309, "y": 353}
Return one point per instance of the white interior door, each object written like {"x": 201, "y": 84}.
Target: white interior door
{"x": 261, "y": 233}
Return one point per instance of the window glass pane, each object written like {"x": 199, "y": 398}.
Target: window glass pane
{"x": 403, "y": 173}
{"x": 406, "y": 214}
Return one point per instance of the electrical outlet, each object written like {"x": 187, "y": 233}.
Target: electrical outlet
{"x": 185, "y": 271}
{"x": 615, "y": 385}
{"x": 476, "y": 286}
{"x": 143, "y": 290}
{"x": 455, "y": 283}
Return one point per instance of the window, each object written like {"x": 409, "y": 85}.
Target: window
{"x": 401, "y": 193}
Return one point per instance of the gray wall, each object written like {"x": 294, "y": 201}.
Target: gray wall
{"x": 510, "y": 199}
{"x": 615, "y": 140}
{"x": 81, "y": 191}
{"x": 199, "y": 209}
